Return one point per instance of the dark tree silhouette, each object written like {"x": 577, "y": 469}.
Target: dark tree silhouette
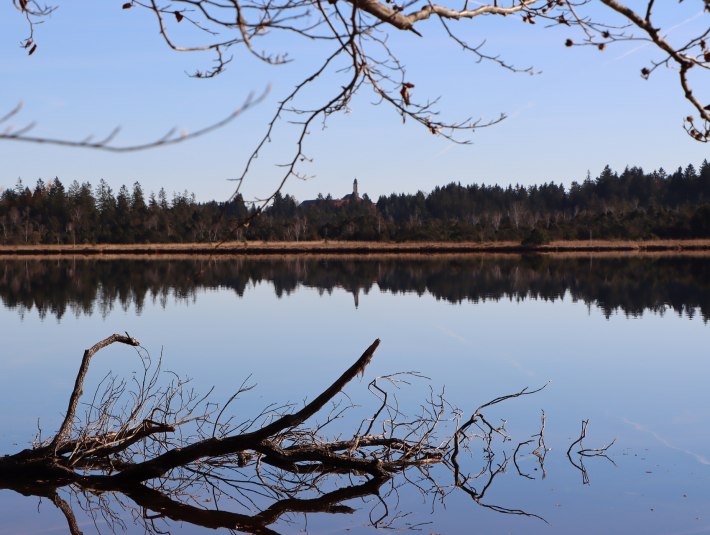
{"x": 632, "y": 204}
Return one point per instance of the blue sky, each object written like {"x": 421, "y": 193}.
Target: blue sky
{"x": 97, "y": 67}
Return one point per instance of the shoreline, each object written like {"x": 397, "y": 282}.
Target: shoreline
{"x": 338, "y": 248}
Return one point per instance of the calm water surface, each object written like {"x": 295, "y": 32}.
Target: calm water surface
{"x": 622, "y": 342}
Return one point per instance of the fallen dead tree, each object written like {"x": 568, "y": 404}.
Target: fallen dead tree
{"x": 165, "y": 448}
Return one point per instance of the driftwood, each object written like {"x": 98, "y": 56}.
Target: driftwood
{"x": 167, "y": 448}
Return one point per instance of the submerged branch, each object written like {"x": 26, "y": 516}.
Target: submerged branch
{"x": 164, "y": 450}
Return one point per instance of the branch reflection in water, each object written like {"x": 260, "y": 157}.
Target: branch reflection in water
{"x": 177, "y": 456}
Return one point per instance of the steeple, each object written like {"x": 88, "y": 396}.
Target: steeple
{"x": 355, "y": 193}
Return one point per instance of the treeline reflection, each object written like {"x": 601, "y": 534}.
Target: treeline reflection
{"x": 630, "y": 284}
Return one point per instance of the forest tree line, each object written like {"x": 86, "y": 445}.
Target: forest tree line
{"x": 627, "y": 205}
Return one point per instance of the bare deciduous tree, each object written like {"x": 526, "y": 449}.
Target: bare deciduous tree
{"x": 355, "y": 38}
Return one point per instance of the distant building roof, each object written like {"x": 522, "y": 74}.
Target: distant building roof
{"x": 354, "y": 196}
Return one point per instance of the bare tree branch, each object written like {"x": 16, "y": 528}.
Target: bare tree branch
{"x": 358, "y": 54}
{"x": 168, "y": 446}
{"x": 586, "y": 452}
{"x": 79, "y": 382}
{"x": 171, "y": 137}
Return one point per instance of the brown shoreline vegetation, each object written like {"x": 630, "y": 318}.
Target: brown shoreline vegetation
{"x": 338, "y": 248}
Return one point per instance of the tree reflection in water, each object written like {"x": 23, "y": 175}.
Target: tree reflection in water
{"x": 164, "y": 453}
{"x": 632, "y": 284}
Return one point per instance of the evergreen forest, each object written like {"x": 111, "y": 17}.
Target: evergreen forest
{"x": 632, "y": 205}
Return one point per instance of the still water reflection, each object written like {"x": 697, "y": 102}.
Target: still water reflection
{"x": 629, "y": 284}
{"x": 622, "y": 342}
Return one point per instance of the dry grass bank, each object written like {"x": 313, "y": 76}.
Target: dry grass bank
{"x": 353, "y": 248}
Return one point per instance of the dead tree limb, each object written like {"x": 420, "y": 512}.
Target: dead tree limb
{"x": 168, "y": 447}
{"x": 79, "y": 382}
{"x": 587, "y": 452}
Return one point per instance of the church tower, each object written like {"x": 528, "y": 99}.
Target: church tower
{"x": 355, "y": 193}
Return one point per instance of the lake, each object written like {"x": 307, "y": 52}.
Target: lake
{"x": 618, "y": 341}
